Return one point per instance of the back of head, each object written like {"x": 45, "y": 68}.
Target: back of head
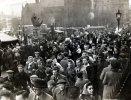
{"x": 48, "y": 71}
{"x": 115, "y": 64}
{"x": 39, "y": 83}
{"x": 65, "y": 54}
{"x": 72, "y": 92}
{"x": 80, "y": 74}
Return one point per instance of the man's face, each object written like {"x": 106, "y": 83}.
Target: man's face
{"x": 61, "y": 86}
{"x": 10, "y": 75}
{"x": 31, "y": 59}
{"x": 40, "y": 65}
{"x": 36, "y": 54}
{"x": 54, "y": 48}
{"x": 93, "y": 48}
{"x": 32, "y": 79}
{"x": 19, "y": 97}
{"x": 86, "y": 47}
{"x": 90, "y": 89}
{"x": 20, "y": 69}
{"x": 55, "y": 72}
{"x": 50, "y": 86}
{"x": 60, "y": 45}
{"x": 78, "y": 63}
{"x": 84, "y": 61}
{"x": 84, "y": 54}
{"x": 41, "y": 47}
{"x": 69, "y": 64}
{"x": 37, "y": 91}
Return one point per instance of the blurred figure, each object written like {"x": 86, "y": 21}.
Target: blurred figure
{"x": 22, "y": 78}
{"x": 5, "y": 95}
{"x": 64, "y": 61}
{"x": 40, "y": 72}
{"x": 60, "y": 90}
{"x": 72, "y": 93}
{"x": 40, "y": 94}
{"x": 37, "y": 57}
{"x": 22, "y": 95}
{"x": 80, "y": 82}
{"x": 110, "y": 79}
{"x": 57, "y": 76}
{"x": 78, "y": 65}
{"x": 71, "y": 73}
{"x": 30, "y": 66}
{"x": 48, "y": 73}
{"x": 51, "y": 86}
{"x": 1, "y": 83}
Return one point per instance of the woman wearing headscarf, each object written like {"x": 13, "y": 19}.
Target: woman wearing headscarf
{"x": 88, "y": 92}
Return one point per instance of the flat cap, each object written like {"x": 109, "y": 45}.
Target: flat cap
{"x": 20, "y": 65}
{"x": 36, "y": 52}
{"x": 123, "y": 55}
{"x": 49, "y": 60}
{"x": 61, "y": 81}
{"x": 9, "y": 71}
{"x": 33, "y": 76}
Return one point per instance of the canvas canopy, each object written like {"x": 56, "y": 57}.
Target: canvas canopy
{"x": 6, "y": 38}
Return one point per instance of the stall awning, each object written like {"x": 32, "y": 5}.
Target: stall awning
{"x": 6, "y": 38}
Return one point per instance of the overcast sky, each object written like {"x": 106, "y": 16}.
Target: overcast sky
{"x": 13, "y": 7}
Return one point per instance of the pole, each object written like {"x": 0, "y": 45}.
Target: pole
{"x": 129, "y": 66}
{"x": 118, "y": 24}
{"x": 19, "y": 29}
{"x": 25, "y": 37}
{"x": 0, "y": 58}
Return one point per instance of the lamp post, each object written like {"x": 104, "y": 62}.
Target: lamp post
{"x": 52, "y": 26}
{"x": 19, "y": 28}
{"x": 118, "y": 17}
{"x": 19, "y": 32}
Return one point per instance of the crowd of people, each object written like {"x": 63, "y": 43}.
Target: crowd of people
{"x": 84, "y": 66}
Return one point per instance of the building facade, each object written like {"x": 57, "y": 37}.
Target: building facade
{"x": 80, "y": 13}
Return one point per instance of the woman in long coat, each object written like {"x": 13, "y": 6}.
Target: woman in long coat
{"x": 110, "y": 79}
{"x": 71, "y": 73}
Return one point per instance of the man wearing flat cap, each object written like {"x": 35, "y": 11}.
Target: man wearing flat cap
{"x": 60, "y": 90}
{"x": 10, "y": 77}
{"x": 40, "y": 94}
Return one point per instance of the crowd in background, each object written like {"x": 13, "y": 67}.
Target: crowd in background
{"x": 83, "y": 66}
